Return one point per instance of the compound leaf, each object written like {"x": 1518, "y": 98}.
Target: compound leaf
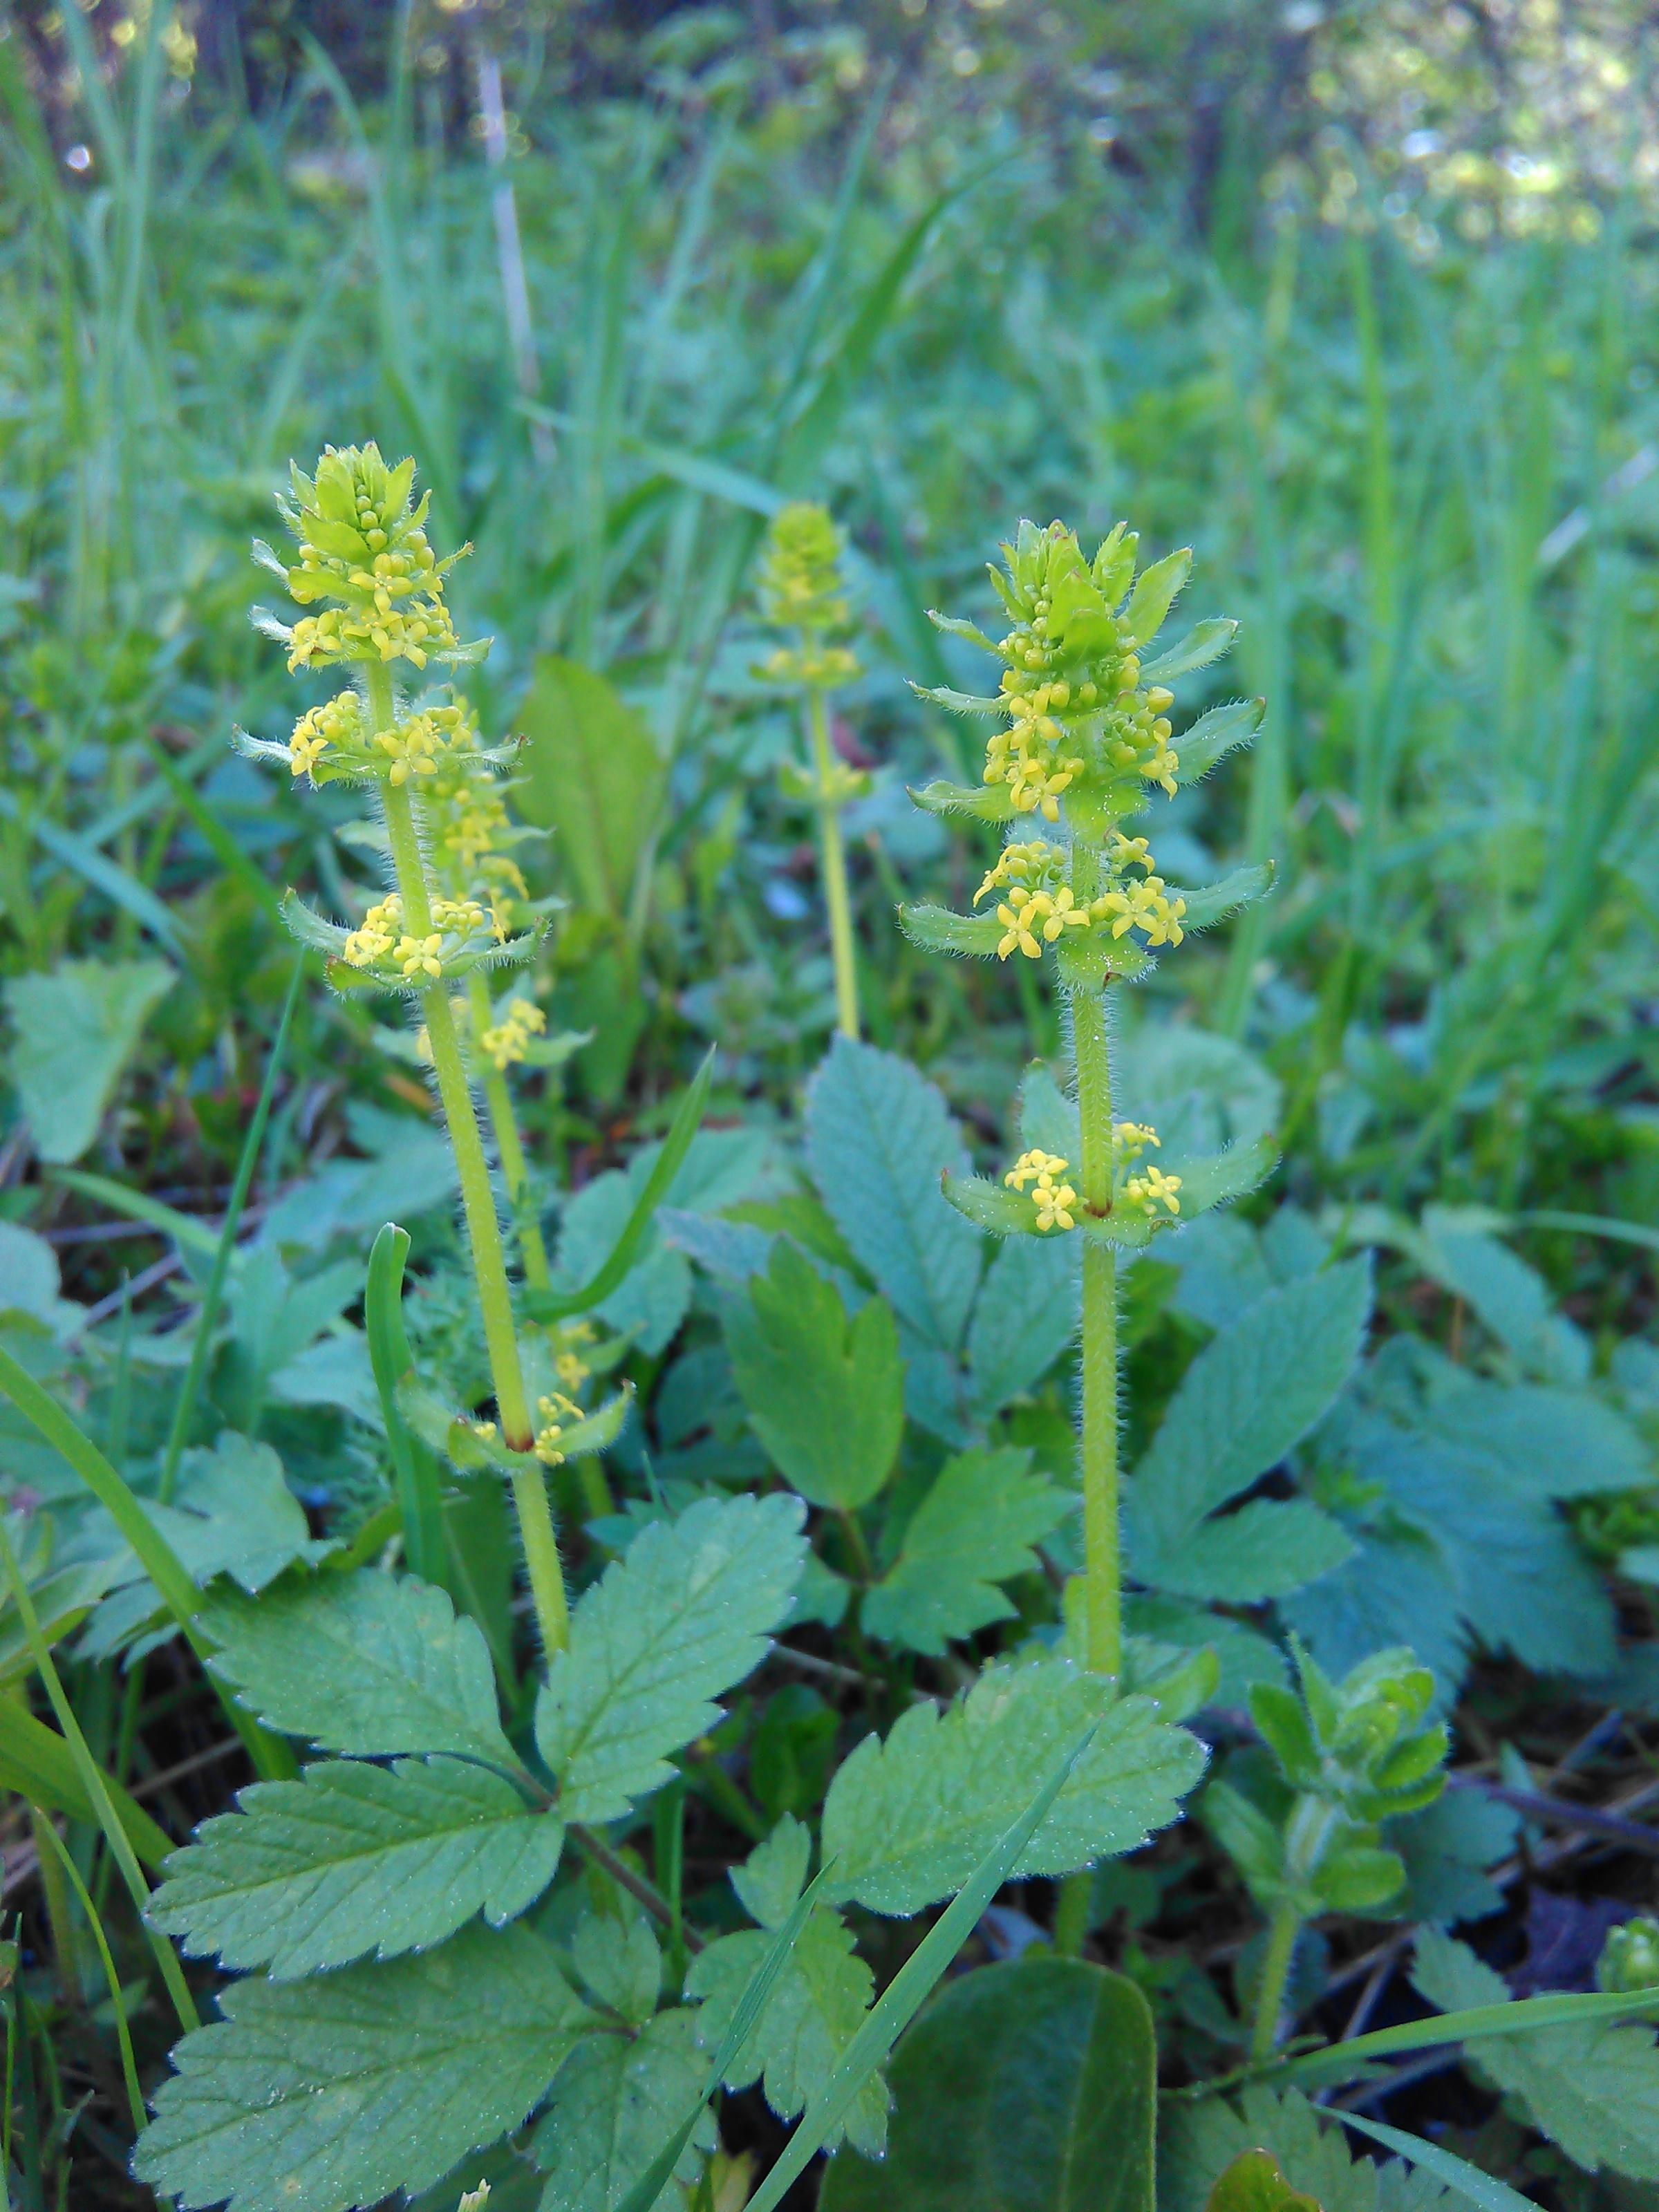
{"x": 1200, "y": 2142}
{"x": 312, "y": 2096}
{"x": 355, "y": 1858}
{"x": 615, "y": 2101}
{"x": 683, "y": 1617}
{"x": 364, "y": 1664}
{"x": 1592, "y": 2086}
{"x": 906, "y": 1821}
{"x": 1249, "y": 1396}
{"x": 815, "y": 2009}
{"x": 974, "y": 1529}
{"x": 825, "y": 1393}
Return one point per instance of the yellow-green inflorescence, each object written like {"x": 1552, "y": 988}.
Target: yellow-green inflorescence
{"x": 457, "y": 897}
{"x": 1081, "y": 740}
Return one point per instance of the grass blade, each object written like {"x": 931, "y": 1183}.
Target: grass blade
{"x": 903, "y": 1996}
{"x": 555, "y": 1305}
{"x": 391, "y": 1360}
{"x": 190, "y": 1389}
{"x": 92, "y": 1781}
{"x": 183, "y": 1228}
{"x": 652, "y": 2183}
{"x": 102, "y": 873}
{"x": 1519, "y": 2018}
{"x": 123, "y": 2033}
{"x": 1482, "y": 2189}
{"x": 40, "y": 1765}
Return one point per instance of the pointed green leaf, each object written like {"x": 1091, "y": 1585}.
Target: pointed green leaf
{"x": 986, "y": 802}
{"x": 1218, "y": 900}
{"x": 1214, "y": 735}
{"x": 1154, "y": 594}
{"x": 936, "y": 929}
{"x": 1206, "y": 642}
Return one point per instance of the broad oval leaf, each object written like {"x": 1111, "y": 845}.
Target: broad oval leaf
{"x": 1028, "y": 2087}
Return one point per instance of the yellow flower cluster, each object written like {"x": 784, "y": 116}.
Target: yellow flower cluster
{"x": 1040, "y": 907}
{"x": 384, "y": 942}
{"x": 1032, "y": 755}
{"x": 1152, "y": 1186}
{"x": 555, "y": 1410}
{"x": 336, "y": 737}
{"x": 1053, "y": 1200}
{"x": 505, "y": 1041}
{"x": 363, "y": 544}
{"x": 801, "y": 589}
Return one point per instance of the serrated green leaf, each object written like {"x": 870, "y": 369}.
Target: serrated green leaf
{"x": 825, "y": 1392}
{"x": 936, "y": 929}
{"x": 986, "y": 802}
{"x": 355, "y": 1858}
{"x": 362, "y": 1663}
{"x": 1265, "y": 1550}
{"x": 814, "y": 2011}
{"x": 662, "y": 1632}
{"x": 1252, "y": 1393}
{"x": 316, "y": 2095}
{"x": 1214, "y": 735}
{"x": 906, "y": 1821}
{"x": 974, "y": 1529}
{"x": 615, "y": 2100}
{"x": 620, "y": 1961}
{"x": 877, "y": 1137}
{"x": 1029, "y": 2087}
{"x": 1592, "y": 2087}
{"x": 1198, "y": 2144}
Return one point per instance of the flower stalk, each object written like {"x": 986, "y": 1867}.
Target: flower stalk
{"x": 802, "y": 590}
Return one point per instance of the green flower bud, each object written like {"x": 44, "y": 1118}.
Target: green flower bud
{"x": 1630, "y": 1957}
{"x": 802, "y": 589}
{"x": 362, "y": 547}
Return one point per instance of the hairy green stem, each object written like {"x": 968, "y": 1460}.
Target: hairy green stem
{"x": 1103, "y": 1603}
{"x": 530, "y": 1498}
{"x": 1282, "y": 1930}
{"x": 1071, "y": 1914}
{"x": 834, "y": 869}
{"x": 504, "y": 1127}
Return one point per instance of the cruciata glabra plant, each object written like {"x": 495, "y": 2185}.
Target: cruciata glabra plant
{"x": 1082, "y": 741}
{"x": 456, "y": 907}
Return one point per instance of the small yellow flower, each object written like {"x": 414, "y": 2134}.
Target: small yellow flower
{"x": 555, "y": 1410}
{"x": 1031, "y": 1167}
{"x": 1148, "y": 1190}
{"x": 505, "y": 1040}
{"x": 571, "y": 1372}
{"x": 418, "y": 955}
{"x": 1054, "y": 1203}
